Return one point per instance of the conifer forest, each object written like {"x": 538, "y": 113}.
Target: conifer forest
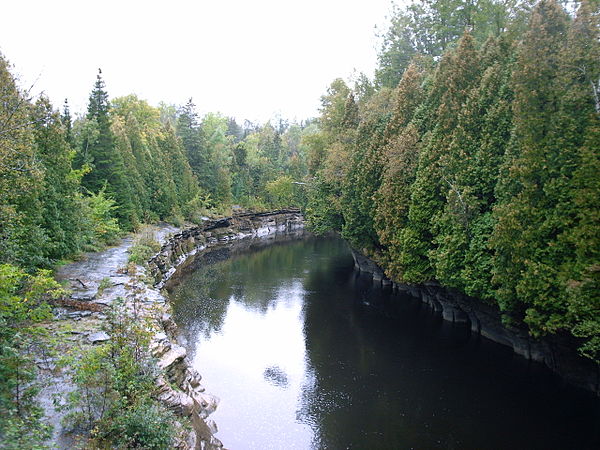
{"x": 469, "y": 159}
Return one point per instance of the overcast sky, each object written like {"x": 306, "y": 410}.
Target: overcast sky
{"x": 244, "y": 58}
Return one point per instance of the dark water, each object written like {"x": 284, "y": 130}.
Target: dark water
{"x": 306, "y": 354}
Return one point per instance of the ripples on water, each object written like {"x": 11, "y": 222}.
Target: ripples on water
{"x": 304, "y": 353}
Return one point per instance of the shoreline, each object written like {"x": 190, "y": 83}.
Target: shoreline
{"x": 557, "y": 352}
{"x": 101, "y": 277}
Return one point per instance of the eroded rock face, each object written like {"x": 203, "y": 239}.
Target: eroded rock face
{"x": 212, "y": 233}
{"x": 558, "y": 352}
{"x": 190, "y": 399}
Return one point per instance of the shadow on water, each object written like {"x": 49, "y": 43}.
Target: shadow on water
{"x": 306, "y": 353}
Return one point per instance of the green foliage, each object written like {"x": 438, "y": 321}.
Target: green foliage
{"x": 482, "y": 171}
{"x": 281, "y": 192}
{"x": 144, "y": 246}
{"x": 22, "y": 307}
{"x": 146, "y": 425}
{"x": 430, "y": 27}
{"x": 114, "y": 383}
{"x": 101, "y": 225}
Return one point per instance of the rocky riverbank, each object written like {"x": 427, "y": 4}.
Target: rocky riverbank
{"x": 177, "y": 250}
{"x": 100, "y": 278}
{"x": 557, "y": 352}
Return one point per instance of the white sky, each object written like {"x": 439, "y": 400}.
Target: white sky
{"x": 244, "y": 58}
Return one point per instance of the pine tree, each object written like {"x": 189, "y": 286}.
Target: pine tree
{"x": 462, "y": 258}
{"x": 579, "y": 128}
{"x": 400, "y": 164}
{"x": 188, "y": 130}
{"x": 60, "y": 184}
{"x": 67, "y": 122}
{"x": 457, "y": 73}
{"x": 108, "y": 169}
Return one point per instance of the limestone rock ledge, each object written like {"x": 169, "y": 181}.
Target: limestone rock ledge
{"x": 190, "y": 241}
{"x": 179, "y": 388}
{"x": 557, "y": 352}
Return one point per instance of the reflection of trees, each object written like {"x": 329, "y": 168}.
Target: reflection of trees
{"x": 387, "y": 373}
{"x": 381, "y": 370}
{"x": 194, "y": 298}
{"x": 249, "y": 272}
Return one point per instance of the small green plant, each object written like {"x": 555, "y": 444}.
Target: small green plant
{"x": 104, "y": 284}
{"x": 144, "y": 246}
{"x": 177, "y": 219}
{"x": 103, "y": 227}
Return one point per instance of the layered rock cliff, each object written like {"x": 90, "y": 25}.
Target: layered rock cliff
{"x": 558, "y": 352}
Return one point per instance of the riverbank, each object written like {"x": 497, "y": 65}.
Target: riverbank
{"x": 557, "y": 352}
{"x": 100, "y": 278}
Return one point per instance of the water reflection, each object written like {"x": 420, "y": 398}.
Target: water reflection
{"x": 306, "y": 354}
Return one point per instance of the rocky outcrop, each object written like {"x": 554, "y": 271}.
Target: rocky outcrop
{"x": 179, "y": 389}
{"x": 176, "y": 251}
{"x": 558, "y": 352}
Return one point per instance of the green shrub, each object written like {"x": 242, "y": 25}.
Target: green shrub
{"x": 22, "y": 306}
{"x": 112, "y": 402}
{"x": 145, "y": 425}
{"x": 144, "y": 246}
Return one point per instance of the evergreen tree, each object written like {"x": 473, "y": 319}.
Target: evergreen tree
{"x": 527, "y": 259}
{"x": 400, "y": 163}
{"x": 98, "y": 150}
{"x": 67, "y": 123}
{"x": 462, "y": 258}
{"x": 60, "y": 183}
{"x": 188, "y": 130}
{"x": 579, "y": 131}
{"x": 364, "y": 173}
{"x": 456, "y": 74}
{"x": 22, "y": 240}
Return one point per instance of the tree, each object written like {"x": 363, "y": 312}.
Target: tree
{"x": 456, "y": 74}
{"x": 188, "y": 130}
{"x": 98, "y": 150}
{"x": 526, "y": 261}
{"x": 21, "y": 237}
{"x": 61, "y": 183}
{"x": 401, "y": 154}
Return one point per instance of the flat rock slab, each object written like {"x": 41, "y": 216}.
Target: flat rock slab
{"x": 176, "y": 353}
{"x": 98, "y": 337}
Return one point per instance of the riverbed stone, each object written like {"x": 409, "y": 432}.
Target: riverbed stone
{"x": 98, "y": 337}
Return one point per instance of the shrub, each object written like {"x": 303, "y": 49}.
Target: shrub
{"x": 22, "y": 306}
{"x": 144, "y": 246}
{"x": 114, "y": 383}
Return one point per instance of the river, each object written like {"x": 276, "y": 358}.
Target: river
{"x": 305, "y": 353}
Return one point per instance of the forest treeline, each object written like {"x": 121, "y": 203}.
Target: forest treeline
{"x": 473, "y": 158}
{"x": 69, "y": 185}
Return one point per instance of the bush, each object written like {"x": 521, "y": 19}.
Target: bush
{"x": 114, "y": 383}
{"x": 144, "y": 246}
{"x": 145, "y": 425}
